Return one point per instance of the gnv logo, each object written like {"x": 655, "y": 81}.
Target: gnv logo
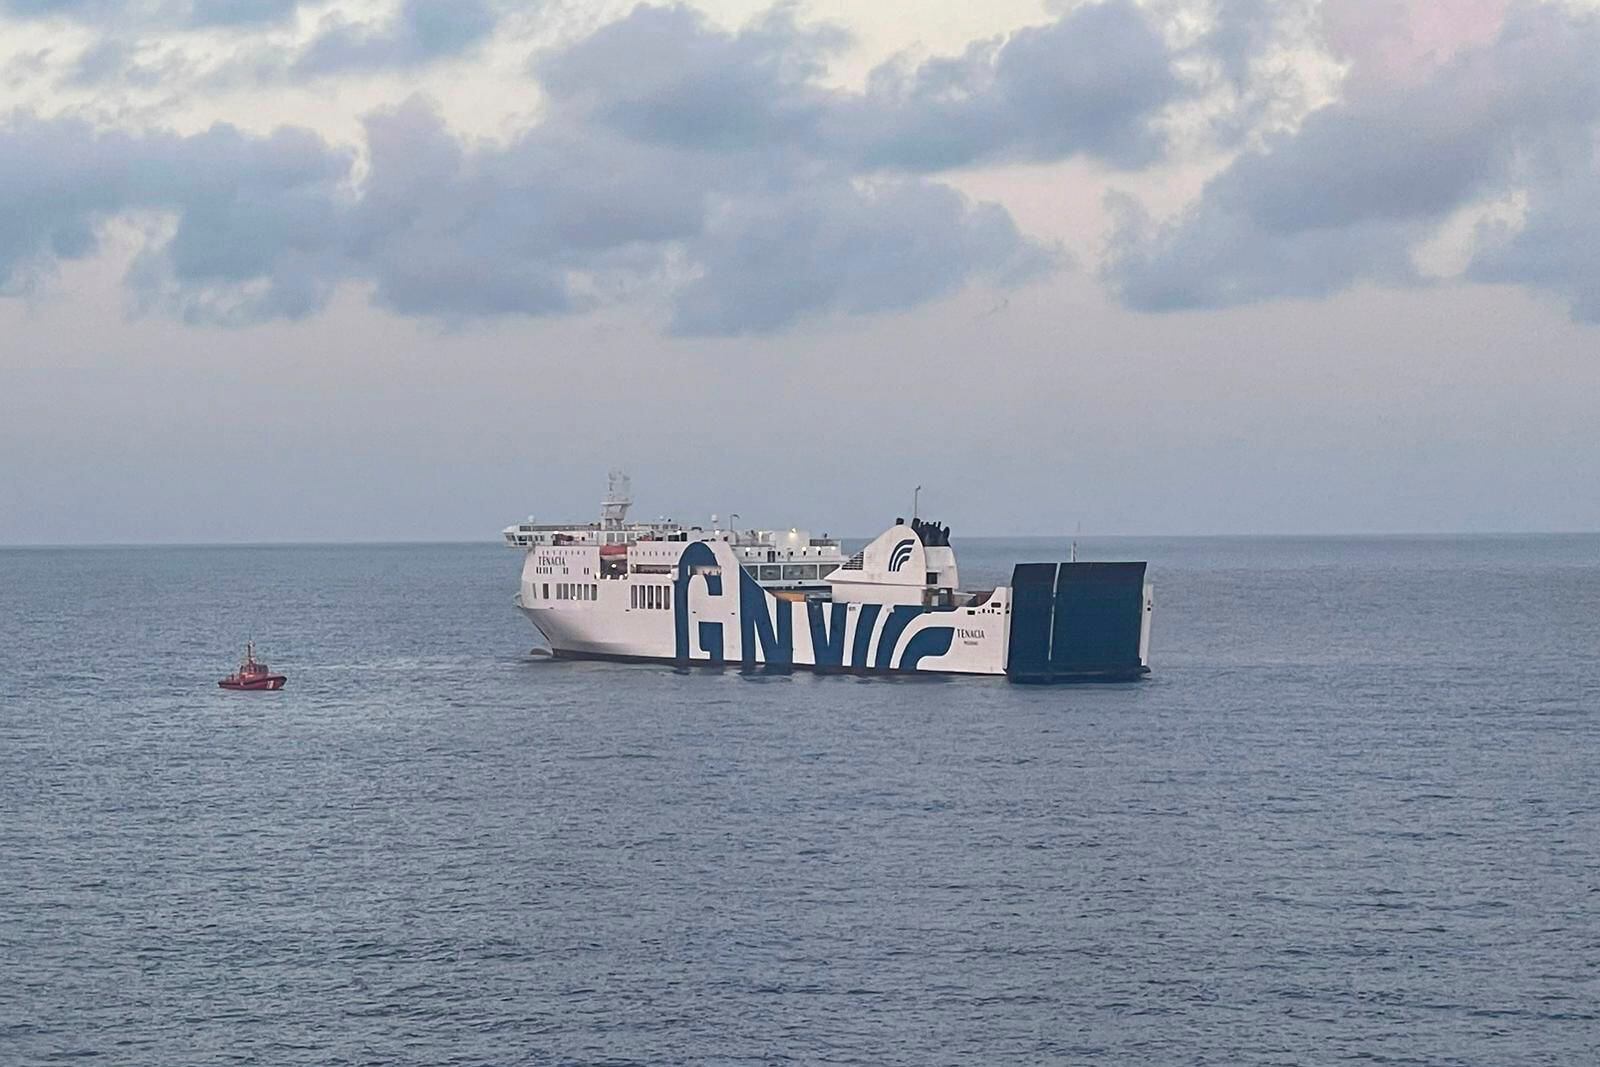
{"x": 901, "y": 555}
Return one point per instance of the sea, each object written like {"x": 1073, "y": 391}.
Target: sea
{"x": 1353, "y": 816}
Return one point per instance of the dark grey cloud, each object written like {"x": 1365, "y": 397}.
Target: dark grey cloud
{"x": 1214, "y": 258}
{"x": 566, "y": 216}
{"x": 240, "y": 12}
{"x": 156, "y": 13}
{"x": 116, "y": 61}
{"x": 1239, "y": 30}
{"x": 451, "y": 231}
{"x": 130, "y": 50}
{"x": 847, "y": 248}
{"x": 257, "y": 218}
{"x": 108, "y": 59}
{"x": 1091, "y": 82}
{"x": 1350, "y": 193}
{"x": 421, "y": 31}
{"x": 665, "y": 74}
{"x": 557, "y": 220}
{"x": 711, "y": 168}
{"x": 1556, "y": 250}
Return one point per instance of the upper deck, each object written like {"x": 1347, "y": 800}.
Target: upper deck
{"x": 778, "y": 559}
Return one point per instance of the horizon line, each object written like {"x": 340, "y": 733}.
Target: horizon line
{"x": 425, "y": 541}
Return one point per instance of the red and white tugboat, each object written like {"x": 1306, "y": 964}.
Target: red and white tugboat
{"x": 252, "y": 675}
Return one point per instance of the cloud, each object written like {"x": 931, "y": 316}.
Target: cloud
{"x": 1092, "y": 82}
{"x": 420, "y": 32}
{"x": 415, "y": 33}
{"x": 449, "y": 231}
{"x": 1556, "y": 250}
{"x": 665, "y": 74}
{"x": 256, "y": 217}
{"x": 1348, "y": 195}
{"x": 710, "y": 170}
{"x": 849, "y": 248}
{"x": 1240, "y": 31}
{"x": 1400, "y": 42}
{"x": 115, "y": 61}
{"x": 560, "y": 219}
{"x": 555, "y": 220}
{"x": 195, "y": 14}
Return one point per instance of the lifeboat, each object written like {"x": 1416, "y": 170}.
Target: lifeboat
{"x": 252, "y": 675}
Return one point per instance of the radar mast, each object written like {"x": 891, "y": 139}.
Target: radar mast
{"x": 614, "y": 508}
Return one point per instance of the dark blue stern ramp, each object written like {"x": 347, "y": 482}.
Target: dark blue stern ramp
{"x": 1078, "y": 622}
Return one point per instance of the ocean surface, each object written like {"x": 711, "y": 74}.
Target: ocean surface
{"x": 1353, "y": 816}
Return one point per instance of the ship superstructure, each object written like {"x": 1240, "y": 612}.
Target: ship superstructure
{"x": 781, "y": 599}
{"x": 777, "y": 559}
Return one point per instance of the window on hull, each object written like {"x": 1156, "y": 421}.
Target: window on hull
{"x": 650, "y": 597}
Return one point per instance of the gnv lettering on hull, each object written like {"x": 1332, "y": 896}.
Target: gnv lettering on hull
{"x": 698, "y": 554}
{"x": 755, "y": 624}
{"x": 767, "y": 624}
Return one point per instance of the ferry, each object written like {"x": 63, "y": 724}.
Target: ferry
{"x": 779, "y": 600}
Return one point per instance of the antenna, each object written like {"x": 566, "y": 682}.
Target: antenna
{"x": 916, "y": 496}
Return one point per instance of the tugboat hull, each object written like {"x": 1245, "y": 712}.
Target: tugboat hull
{"x": 274, "y": 682}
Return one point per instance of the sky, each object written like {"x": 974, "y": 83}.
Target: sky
{"x": 416, "y": 269}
